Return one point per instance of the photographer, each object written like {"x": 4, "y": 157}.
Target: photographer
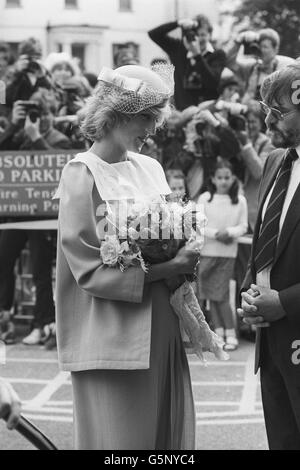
{"x": 71, "y": 89}
{"x": 208, "y": 136}
{"x": 261, "y": 50}
{"x": 38, "y": 133}
{"x": 29, "y": 73}
{"x": 198, "y": 66}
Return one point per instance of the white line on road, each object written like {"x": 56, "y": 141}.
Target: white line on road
{"x": 219, "y": 414}
{"x": 62, "y": 419}
{"x": 216, "y": 363}
{"x": 39, "y": 409}
{"x": 223, "y": 383}
{"x": 234, "y": 422}
{"x": 248, "y": 400}
{"x": 52, "y": 386}
{"x": 31, "y": 360}
{"x": 217, "y": 403}
{"x": 26, "y": 380}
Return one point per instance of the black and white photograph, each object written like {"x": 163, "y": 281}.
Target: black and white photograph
{"x": 150, "y": 227}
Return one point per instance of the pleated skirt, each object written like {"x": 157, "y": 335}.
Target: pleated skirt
{"x": 150, "y": 409}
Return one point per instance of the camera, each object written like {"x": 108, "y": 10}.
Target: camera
{"x": 69, "y": 97}
{"x": 252, "y": 48}
{"x": 199, "y": 127}
{"x": 190, "y": 34}
{"x": 32, "y": 109}
{"x": 237, "y": 122}
{"x": 34, "y": 65}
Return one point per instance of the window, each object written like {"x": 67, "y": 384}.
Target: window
{"x": 13, "y": 3}
{"x": 71, "y": 4}
{"x": 125, "y": 5}
{"x": 78, "y": 53}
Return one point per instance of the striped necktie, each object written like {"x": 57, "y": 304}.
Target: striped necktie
{"x": 267, "y": 240}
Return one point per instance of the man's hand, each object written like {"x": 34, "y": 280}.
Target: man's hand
{"x": 10, "y": 404}
{"x": 243, "y": 137}
{"x": 206, "y": 116}
{"x": 32, "y": 129}
{"x": 187, "y": 23}
{"x": 192, "y": 46}
{"x": 223, "y": 237}
{"x": 264, "y": 307}
{"x": 247, "y": 36}
{"x": 18, "y": 113}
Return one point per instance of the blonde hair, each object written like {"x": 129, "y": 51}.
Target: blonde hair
{"x": 99, "y": 116}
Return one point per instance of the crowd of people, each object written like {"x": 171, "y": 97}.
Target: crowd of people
{"x": 213, "y": 148}
{"x": 126, "y": 356}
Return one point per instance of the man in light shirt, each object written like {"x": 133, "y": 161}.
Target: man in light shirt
{"x": 271, "y": 289}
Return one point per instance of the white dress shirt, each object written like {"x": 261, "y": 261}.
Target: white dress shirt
{"x": 263, "y": 277}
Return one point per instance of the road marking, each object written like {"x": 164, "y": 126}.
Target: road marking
{"x": 52, "y": 386}
{"x": 39, "y": 409}
{"x": 219, "y": 414}
{"x": 26, "y": 380}
{"x": 59, "y": 419}
{"x": 31, "y": 360}
{"x": 217, "y": 403}
{"x": 216, "y": 363}
{"x": 59, "y": 403}
{"x": 222, "y": 383}
{"x": 248, "y": 400}
{"x": 218, "y": 422}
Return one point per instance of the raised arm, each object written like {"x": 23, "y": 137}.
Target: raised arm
{"x": 161, "y": 37}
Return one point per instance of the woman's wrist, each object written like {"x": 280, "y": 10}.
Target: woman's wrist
{"x": 161, "y": 271}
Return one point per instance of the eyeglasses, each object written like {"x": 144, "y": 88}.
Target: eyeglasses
{"x": 276, "y": 113}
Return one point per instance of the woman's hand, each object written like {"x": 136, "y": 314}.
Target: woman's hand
{"x": 186, "y": 260}
{"x": 223, "y": 237}
{"x": 10, "y": 404}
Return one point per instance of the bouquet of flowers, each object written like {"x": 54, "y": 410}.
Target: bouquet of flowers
{"x": 152, "y": 232}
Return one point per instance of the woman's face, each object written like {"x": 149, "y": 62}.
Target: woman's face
{"x": 62, "y": 73}
{"x": 133, "y": 134}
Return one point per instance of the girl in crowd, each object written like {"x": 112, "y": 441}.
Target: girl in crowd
{"x": 117, "y": 332}
{"x": 226, "y": 212}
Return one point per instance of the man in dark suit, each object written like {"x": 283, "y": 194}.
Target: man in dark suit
{"x": 271, "y": 290}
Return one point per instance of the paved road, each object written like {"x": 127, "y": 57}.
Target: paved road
{"x": 227, "y": 397}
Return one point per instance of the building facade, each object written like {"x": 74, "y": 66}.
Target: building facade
{"x": 94, "y": 31}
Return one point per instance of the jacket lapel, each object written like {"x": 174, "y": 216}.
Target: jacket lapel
{"x": 268, "y": 182}
{"x": 291, "y": 220}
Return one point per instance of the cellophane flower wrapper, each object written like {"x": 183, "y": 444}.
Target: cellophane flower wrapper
{"x": 149, "y": 245}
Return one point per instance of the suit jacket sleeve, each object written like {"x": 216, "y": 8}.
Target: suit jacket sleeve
{"x": 290, "y": 301}
{"x": 81, "y": 246}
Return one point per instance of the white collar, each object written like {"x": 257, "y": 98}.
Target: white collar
{"x": 209, "y": 48}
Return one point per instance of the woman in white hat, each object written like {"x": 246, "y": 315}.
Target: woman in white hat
{"x": 117, "y": 332}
